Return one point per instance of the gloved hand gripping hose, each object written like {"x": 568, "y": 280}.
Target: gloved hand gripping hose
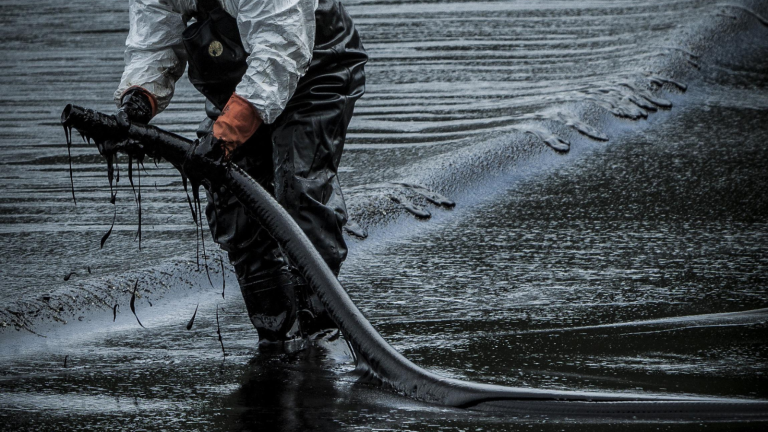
{"x": 238, "y": 122}
{"x": 136, "y": 105}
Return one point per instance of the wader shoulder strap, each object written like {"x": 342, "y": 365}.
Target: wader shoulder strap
{"x": 204, "y": 8}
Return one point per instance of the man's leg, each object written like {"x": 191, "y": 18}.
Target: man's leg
{"x": 308, "y": 140}
{"x": 267, "y": 286}
{"x": 308, "y": 137}
{"x": 298, "y": 168}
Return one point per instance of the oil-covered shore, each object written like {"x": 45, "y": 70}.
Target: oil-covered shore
{"x": 569, "y": 262}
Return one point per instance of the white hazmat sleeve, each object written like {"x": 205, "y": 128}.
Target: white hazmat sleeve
{"x": 154, "y": 53}
{"x": 280, "y": 36}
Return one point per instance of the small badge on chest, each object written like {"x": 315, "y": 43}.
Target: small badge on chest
{"x": 215, "y": 49}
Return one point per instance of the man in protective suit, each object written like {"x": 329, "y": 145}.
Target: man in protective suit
{"x": 281, "y": 78}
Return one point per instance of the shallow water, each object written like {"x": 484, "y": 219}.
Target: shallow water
{"x": 436, "y": 81}
{"x": 633, "y": 265}
{"x": 620, "y": 288}
{"x": 626, "y": 293}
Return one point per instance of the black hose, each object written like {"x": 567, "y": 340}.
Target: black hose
{"x": 377, "y": 361}
{"x": 152, "y": 140}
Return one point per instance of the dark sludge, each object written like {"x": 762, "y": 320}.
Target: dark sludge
{"x": 411, "y": 208}
{"x": 355, "y": 229}
{"x": 133, "y": 303}
{"x": 68, "y": 136}
{"x": 218, "y": 332}
{"x": 581, "y": 127}
{"x": 136, "y": 190}
{"x": 223, "y": 277}
{"x": 192, "y": 320}
{"x": 430, "y": 195}
{"x": 558, "y": 144}
{"x": 376, "y": 361}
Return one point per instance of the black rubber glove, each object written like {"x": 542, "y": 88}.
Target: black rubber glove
{"x": 205, "y": 155}
{"x": 135, "y": 106}
{"x": 210, "y": 147}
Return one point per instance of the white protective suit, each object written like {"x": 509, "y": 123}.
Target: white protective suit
{"x": 278, "y": 34}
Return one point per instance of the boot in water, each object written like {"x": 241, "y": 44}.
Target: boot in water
{"x": 272, "y": 307}
{"x": 313, "y": 317}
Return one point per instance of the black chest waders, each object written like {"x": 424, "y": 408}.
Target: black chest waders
{"x": 296, "y": 159}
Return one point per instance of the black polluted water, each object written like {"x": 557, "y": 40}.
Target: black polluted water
{"x": 556, "y": 196}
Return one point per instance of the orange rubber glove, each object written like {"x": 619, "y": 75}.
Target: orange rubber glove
{"x": 238, "y": 122}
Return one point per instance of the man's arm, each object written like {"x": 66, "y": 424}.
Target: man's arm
{"x": 154, "y": 54}
{"x": 279, "y": 35}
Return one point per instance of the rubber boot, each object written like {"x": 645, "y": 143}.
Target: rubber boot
{"x": 312, "y": 315}
{"x": 272, "y": 308}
